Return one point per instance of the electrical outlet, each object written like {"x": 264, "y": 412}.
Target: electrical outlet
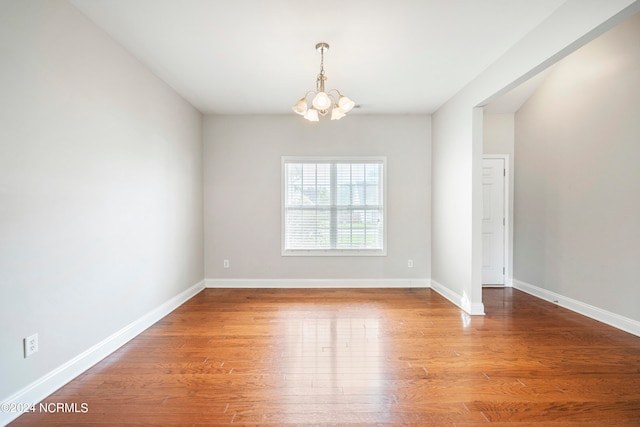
{"x": 30, "y": 345}
{"x": 410, "y": 263}
{"x": 225, "y": 263}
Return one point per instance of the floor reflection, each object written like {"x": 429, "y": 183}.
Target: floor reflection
{"x": 332, "y": 356}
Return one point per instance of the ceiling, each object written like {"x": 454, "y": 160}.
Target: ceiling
{"x": 257, "y": 56}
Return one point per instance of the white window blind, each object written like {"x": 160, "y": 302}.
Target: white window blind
{"x": 333, "y": 206}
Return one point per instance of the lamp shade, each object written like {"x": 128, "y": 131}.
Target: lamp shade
{"x": 321, "y": 101}
{"x": 300, "y": 107}
{"x": 311, "y": 115}
{"x": 336, "y": 113}
{"x": 346, "y": 104}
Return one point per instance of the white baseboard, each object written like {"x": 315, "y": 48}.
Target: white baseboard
{"x": 317, "y": 283}
{"x": 604, "y": 316}
{"x": 475, "y": 309}
{"x": 43, "y": 387}
{"x": 458, "y": 300}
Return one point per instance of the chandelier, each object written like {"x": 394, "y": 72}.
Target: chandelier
{"x": 323, "y": 101}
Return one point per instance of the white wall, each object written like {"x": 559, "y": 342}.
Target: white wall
{"x": 243, "y": 193}
{"x": 498, "y": 134}
{"x": 457, "y": 141}
{"x": 100, "y": 189}
{"x": 498, "y": 137}
{"x": 451, "y": 207}
{"x": 578, "y": 176}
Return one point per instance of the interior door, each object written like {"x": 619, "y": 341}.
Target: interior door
{"x": 493, "y": 221}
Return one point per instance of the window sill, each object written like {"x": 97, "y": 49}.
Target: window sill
{"x": 335, "y": 252}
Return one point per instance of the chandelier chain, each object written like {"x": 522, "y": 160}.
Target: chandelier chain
{"x": 321, "y": 77}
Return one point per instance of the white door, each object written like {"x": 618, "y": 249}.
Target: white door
{"x": 493, "y": 221}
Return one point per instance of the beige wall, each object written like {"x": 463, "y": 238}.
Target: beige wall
{"x": 100, "y": 189}
{"x": 242, "y": 156}
{"x": 577, "y": 196}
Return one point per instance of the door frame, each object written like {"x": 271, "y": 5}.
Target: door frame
{"x": 508, "y": 216}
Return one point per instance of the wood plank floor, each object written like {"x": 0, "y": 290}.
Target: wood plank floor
{"x": 360, "y": 357}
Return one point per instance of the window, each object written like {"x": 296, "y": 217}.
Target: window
{"x": 333, "y": 206}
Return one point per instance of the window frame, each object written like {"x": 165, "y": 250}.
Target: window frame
{"x": 332, "y": 160}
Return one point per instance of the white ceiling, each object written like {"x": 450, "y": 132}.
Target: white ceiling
{"x": 258, "y": 56}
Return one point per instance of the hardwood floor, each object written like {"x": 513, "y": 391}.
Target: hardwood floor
{"x": 360, "y": 357}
